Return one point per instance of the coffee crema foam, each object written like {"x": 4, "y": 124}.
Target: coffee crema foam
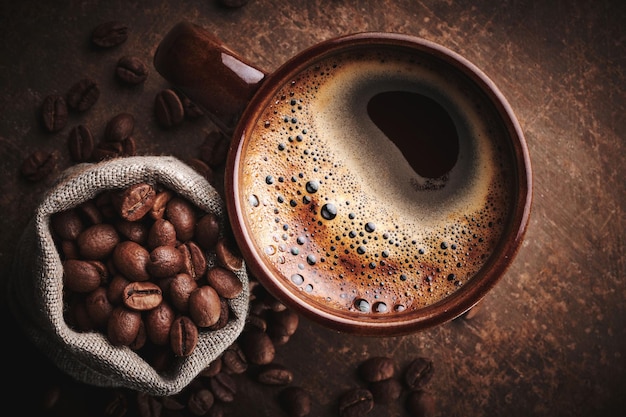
{"x": 334, "y": 206}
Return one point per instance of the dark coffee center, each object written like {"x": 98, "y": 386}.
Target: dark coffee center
{"x": 420, "y": 127}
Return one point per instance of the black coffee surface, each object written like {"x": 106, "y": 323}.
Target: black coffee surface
{"x": 420, "y": 127}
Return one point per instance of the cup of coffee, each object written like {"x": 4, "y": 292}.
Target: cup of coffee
{"x": 377, "y": 183}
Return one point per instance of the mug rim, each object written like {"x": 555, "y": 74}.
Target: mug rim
{"x": 448, "y": 307}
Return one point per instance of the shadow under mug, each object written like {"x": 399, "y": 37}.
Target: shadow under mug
{"x": 377, "y": 183}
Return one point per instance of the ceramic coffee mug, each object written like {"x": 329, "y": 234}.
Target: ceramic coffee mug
{"x": 377, "y": 183}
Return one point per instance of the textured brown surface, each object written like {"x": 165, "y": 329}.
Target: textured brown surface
{"x": 549, "y": 340}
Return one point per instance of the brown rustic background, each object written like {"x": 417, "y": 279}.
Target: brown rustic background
{"x": 549, "y": 340}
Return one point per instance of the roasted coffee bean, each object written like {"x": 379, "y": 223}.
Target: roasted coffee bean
{"x": 204, "y": 306}
{"x": 80, "y": 143}
{"x": 67, "y": 224}
{"x": 148, "y": 406}
{"x": 168, "y": 109}
{"x": 213, "y": 368}
{"x": 207, "y": 231}
{"x": 385, "y": 391}
{"x": 119, "y": 127}
{"x": 192, "y": 110}
{"x": 195, "y": 262}
{"x": 107, "y": 150}
{"x": 83, "y": 95}
{"x": 116, "y": 405}
{"x": 225, "y": 282}
{"x": 165, "y": 261}
{"x": 135, "y": 201}
{"x": 234, "y": 360}
{"x": 182, "y": 214}
{"x": 257, "y": 346}
{"x": 172, "y": 403}
{"x": 39, "y": 165}
{"x": 129, "y": 147}
{"x": 142, "y": 296}
{"x": 274, "y": 374}
{"x": 200, "y": 402}
{"x": 255, "y": 322}
{"x": 183, "y": 336}
{"x": 98, "y": 241}
{"x": 123, "y": 326}
{"x": 223, "y": 387}
{"x": 180, "y": 288}
{"x": 109, "y": 34}
{"x": 158, "y": 323}
{"x": 161, "y": 233}
{"x": 224, "y": 315}
{"x": 68, "y": 249}
{"x": 418, "y": 373}
{"x": 77, "y": 317}
{"x": 81, "y": 276}
{"x": 98, "y": 307}
{"x": 420, "y": 403}
{"x": 214, "y": 149}
{"x": 131, "y": 259}
{"x": 376, "y": 368}
{"x": 90, "y": 212}
{"x": 140, "y": 339}
{"x": 227, "y": 255}
{"x": 160, "y": 202}
{"x": 133, "y": 231}
{"x": 295, "y": 401}
{"x": 54, "y": 113}
{"x": 115, "y": 290}
{"x": 131, "y": 70}
{"x": 282, "y": 323}
{"x": 355, "y": 402}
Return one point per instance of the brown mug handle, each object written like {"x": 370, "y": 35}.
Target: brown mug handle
{"x": 197, "y": 63}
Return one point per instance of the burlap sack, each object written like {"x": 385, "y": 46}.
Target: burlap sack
{"x": 36, "y": 286}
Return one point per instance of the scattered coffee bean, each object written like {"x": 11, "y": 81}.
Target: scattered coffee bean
{"x": 295, "y": 401}
{"x": 202, "y": 168}
{"x": 420, "y": 404}
{"x": 355, "y": 402}
{"x": 418, "y": 373}
{"x": 214, "y": 149}
{"x": 119, "y": 127}
{"x": 233, "y": 359}
{"x": 192, "y": 110}
{"x": 39, "y": 165}
{"x": 80, "y": 143}
{"x": 83, "y": 95}
{"x": 200, "y": 402}
{"x": 214, "y": 368}
{"x": 223, "y": 387}
{"x": 54, "y": 113}
{"x": 109, "y": 34}
{"x": 148, "y": 406}
{"x": 274, "y": 374}
{"x": 257, "y": 346}
{"x": 385, "y": 391}
{"x": 116, "y": 405}
{"x": 377, "y": 368}
{"x": 168, "y": 109}
{"x": 131, "y": 70}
